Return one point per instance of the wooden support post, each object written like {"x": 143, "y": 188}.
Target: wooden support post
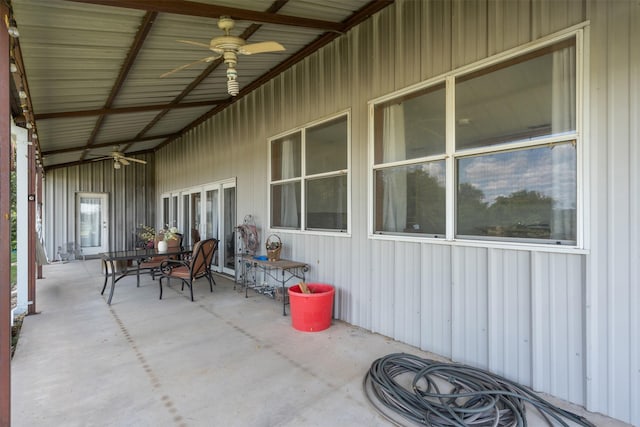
{"x": 5, "y": 224}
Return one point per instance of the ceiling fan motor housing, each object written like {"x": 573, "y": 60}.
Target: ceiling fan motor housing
{"x": 225, "y": 43}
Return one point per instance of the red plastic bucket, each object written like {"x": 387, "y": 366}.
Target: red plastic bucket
{"x": 311, "y": 312}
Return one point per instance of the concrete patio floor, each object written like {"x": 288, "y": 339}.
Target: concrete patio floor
{"x": 222, "y": 360}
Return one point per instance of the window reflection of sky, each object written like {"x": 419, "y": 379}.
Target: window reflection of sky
{"x": 549, "y": 170}
{"x": 435, "y": 170}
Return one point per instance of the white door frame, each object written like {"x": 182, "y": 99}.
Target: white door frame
{"x": 181, "y": 221}
{"x": 104, "y": 223}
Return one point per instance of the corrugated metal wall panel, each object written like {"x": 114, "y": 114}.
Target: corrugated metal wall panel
{"x": 469, "y": 32}
{"x": 469, "y": 306}
{"x": 132, "y": 195}
{"x": 436, "y": 44}
{"x": 612, "y": 269}
{"x": 382, "y": 285}
{"x": 436, "y": 298}
{"x": 510, "y": 314}
{"x": 634, "y": 214}
{"x": 407, "y": 285}
{"x": 549, "y": 16}
{"x": 557, "y": 325}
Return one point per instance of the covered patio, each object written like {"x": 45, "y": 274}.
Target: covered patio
{"x": 222, "y": 360}
{"x": 464, "y": 173}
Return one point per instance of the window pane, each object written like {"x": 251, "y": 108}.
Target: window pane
{"x": 525, "y": 194}
{"x": 285, "y": 205}
{"x": 411, "y": 199}
{"x": 326, "y": 147}
{"x": 326, "y": 200}
{"x": 526, "y": 98}
{"x": 411, "y": 127}
{"x": 285, "y": 157}
{"x": 165, "y": 210}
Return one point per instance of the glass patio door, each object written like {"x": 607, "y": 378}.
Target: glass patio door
{"x": 191, "y": 218}
{"x": 211, "y": 223}
{"x": 92, "y": 219}
{"x": 218, "y": 222}
{"x": 227, "y": 227}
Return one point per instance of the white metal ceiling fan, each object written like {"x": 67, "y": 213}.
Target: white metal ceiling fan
{"x": 120, "y": 159}
{"x": 228, "y": 47}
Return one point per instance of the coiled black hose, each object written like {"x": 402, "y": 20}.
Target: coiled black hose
{"x": 448, "y": 394}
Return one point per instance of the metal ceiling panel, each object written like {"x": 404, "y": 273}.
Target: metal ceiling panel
{"x": 62, "y": 158}
{"x": 326, "y": 10}
{"x": 93, "y": 71}
{"x": 118, "y": 127}
{"x": 65, "y": 133}
{"x": 144, "y": 145}
{"x": 175, "y": 120}
{"x": 162, "y": 53}
{"x": 87, "y": 42}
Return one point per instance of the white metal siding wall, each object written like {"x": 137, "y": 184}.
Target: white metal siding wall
{"x": 613, "y": 275}
{"x": 131, "y": 193}
{"x": 558, "y": 322}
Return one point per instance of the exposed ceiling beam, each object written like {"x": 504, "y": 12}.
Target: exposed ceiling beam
{"x": 107, "y": 144}
{"x": 141, "y": 35}
{"x": 191, "y": 8}
{"x": 124, "y": 110}
{"x": 81, "y": 162}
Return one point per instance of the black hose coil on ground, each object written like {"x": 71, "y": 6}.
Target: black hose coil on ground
{"x": 473, "y": 397}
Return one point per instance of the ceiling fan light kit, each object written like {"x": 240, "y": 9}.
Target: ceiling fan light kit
{"x": 119, "y": 159}
{"x": 228, "y": 47}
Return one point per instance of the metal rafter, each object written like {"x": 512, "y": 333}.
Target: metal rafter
{"x": 275, "y": 6}
{"x": 191, "y": 8}
{"x": 109, "y": 144}
{"x": 124, "y": 110}
{"x": 141, "y": 35}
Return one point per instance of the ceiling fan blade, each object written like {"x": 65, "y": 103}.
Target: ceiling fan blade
{"x": 97, "y": 159}
{"x": 182, "y": 67}
{"x": 204, "y": 45}
{"x": 123, "y": 160}
{"x": 262, "y": 47}
{"x": 131, "y": 159}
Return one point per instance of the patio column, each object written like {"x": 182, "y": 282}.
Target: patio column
{"x": 22, "y": 220}
{"x": 5, "y": 225}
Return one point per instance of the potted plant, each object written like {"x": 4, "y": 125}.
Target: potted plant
{"x": 146, "y": 236}
{"x": 168, "y": 233}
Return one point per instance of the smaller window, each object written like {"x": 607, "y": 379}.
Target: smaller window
{"x": 311, "y": 165}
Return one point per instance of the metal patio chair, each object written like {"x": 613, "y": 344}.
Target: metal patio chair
{"x": 152, "y": 264}
{"x": 188, "y": 271}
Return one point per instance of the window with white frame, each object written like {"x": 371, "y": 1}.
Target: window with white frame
{"x": 505, "y": 147}
{"x": 310, "y": 177}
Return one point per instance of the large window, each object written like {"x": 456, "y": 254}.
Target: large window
{"x": 309, "y": 177}
{"x": 505, "y": 145}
